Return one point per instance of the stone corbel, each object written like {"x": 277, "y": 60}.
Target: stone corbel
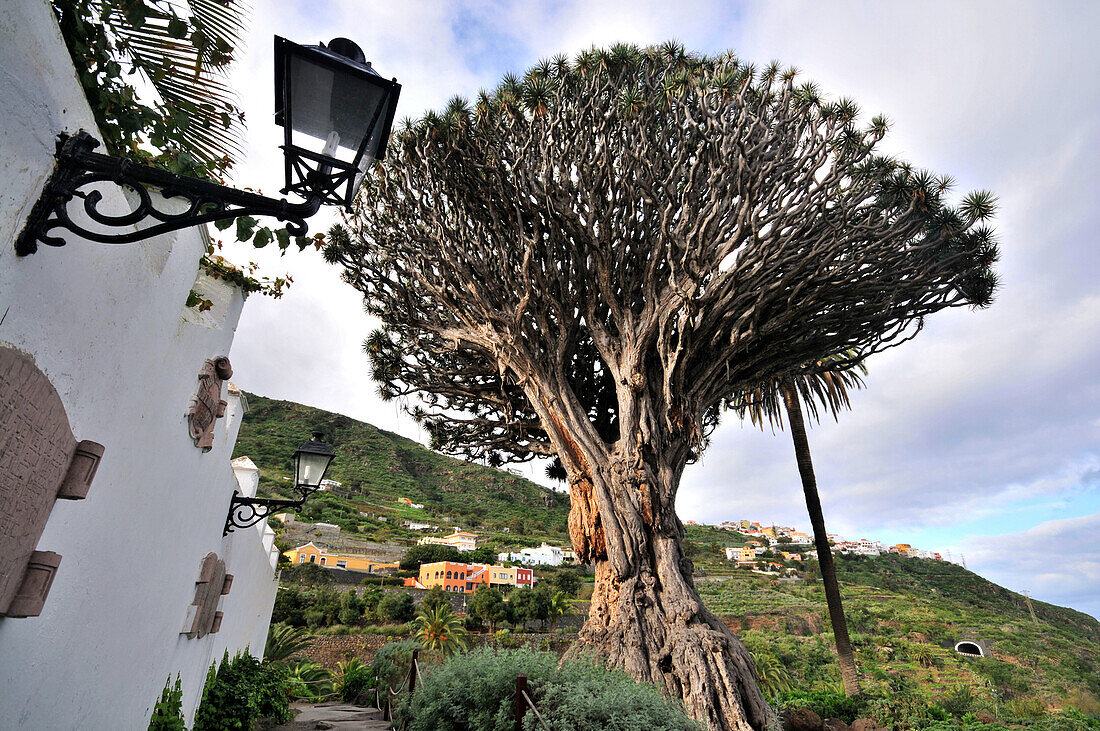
{"x": 208, "y": 406}
{"x": 37, "y": 580}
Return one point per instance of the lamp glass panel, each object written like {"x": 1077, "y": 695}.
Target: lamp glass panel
{"x": 311, "y": 468}
{"x": 324, "y": 101}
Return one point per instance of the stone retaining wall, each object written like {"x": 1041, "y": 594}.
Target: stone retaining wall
{"x": 329, "y": 650}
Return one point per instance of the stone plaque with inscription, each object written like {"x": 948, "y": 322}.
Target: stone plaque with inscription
{"x": 40, "y": 461}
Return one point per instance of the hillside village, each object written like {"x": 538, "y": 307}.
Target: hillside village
{"x": 764, "y": 541}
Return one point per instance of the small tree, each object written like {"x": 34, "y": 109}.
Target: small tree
{"x": 428, "y": 553}
{"x": 439, "y": 629}
{"x": 567, "y": 582}
{"x": 351, "y": 608}
{"x": 397, "y": 607}
{"x": 523, "y": 606}
{"x": 487, "y": 606}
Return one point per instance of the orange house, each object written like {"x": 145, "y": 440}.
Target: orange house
{"x": 312, "y": 553}
{"x": 451, "y": 576}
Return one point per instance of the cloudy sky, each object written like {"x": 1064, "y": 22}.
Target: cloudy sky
{"x": 981, "y": 437}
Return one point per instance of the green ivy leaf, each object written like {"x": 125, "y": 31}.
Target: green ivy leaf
{"x": 223, "y": 223}
{"x": 263, "y": 238}
{"x": 246, "y": 225}
{"x": 284, "y": 238}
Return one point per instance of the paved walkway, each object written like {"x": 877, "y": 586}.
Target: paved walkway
{"x": 335, "y": 716}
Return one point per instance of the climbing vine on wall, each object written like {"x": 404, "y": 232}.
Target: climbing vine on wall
{"x": 182, "y": 49}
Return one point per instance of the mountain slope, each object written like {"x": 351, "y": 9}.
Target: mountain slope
{"x": 377, "y": 468}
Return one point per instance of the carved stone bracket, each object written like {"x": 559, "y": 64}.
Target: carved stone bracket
{"x": 40, "y": 462}
{"x": 203, "y": 617}
{"x": 208, "y": 405}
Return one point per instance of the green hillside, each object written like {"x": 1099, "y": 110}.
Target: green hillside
{"x": 905, "y": 616}
{"x": 376, "y": 468}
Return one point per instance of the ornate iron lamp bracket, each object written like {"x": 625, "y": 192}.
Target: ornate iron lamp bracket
{"x": 245, "y": 512}
{"x": 79, "y": 170}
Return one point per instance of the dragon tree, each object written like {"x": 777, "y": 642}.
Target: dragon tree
{"x": 594, "y": 261}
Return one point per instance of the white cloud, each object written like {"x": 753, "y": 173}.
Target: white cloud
{"x": 1025, "y": 561}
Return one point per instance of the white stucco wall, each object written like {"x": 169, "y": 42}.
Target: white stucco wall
{"x": 108, "y": 326}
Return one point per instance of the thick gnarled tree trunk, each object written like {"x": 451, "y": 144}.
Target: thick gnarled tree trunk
{"x": 646, "y": 616}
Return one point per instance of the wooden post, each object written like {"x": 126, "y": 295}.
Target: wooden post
{"x": 413, "y": 670}
{"x": 521, "y": 704}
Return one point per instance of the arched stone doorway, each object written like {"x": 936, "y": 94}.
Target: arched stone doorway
{"x": 40, "y": 462}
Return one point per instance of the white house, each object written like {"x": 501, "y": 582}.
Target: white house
{"x": 545, "y": 555}
{"x": 127, "y": 579}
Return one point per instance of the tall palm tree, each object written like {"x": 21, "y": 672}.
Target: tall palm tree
{"x": 824, "y": 386}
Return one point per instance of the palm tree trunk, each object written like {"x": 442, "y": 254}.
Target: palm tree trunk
{"x": 821, "y": 540}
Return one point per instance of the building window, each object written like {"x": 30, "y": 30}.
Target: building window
{"x": 301, "y": 558}
{"x": 322, "y": 560}
{"x": 462, "y": 575}
{"x": 448, "y": 574}
{"x": 313, "y": 558}
{"x": 341, "y": 564}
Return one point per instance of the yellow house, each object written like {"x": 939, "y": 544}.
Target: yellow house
{"x": 312, "y": 553}
{"x": 741, "y": 554}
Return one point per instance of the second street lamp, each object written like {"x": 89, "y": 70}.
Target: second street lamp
{"x": 311, "y": 462}
{"x": 336, "y": 111}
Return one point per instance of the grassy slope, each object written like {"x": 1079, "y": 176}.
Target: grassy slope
{"x": 895, "y": 604}
{"x": 377, "y": 467}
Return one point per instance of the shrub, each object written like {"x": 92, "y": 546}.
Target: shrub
{"x": 309, "y": 681}
{"x": 284, "y": 641}
{"x": 397, "y": 607}
{"x": 355, "y": 677}
{"x": 476, "y": 690}
{"x": 392, "y": 661}
{"x": 168, "y": 710}
{"x": 958, "y": 701}
{"x": 827, "y": 704}
{"x": 239, "y": 691}
{"x": 1029, "y": 708}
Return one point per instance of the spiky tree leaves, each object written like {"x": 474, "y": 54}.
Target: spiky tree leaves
{"x": 597, "y": 258}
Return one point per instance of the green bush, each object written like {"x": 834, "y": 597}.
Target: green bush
{"x": 354, "y": 679}
{"x": 391, "y": 662}
{"x": 241, "y": 690}
{"x": 475, "y": 690}
{"x": 397, "y": 607}
{"x": 168, "y": 710}
{"x": 825, "y": 703}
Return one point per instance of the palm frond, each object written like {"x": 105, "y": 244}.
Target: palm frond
{"x": 822, "y": 387}
{"x": 189, "y": 73}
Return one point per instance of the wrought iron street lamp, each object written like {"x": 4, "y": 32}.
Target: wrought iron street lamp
{"x": 311, "y": 462}
{"x": 336, "y": 112}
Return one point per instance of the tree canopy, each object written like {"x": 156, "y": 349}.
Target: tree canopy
{"x": 687, "y": 225}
